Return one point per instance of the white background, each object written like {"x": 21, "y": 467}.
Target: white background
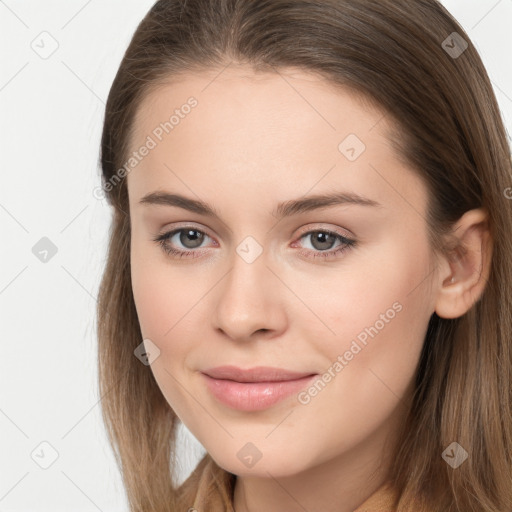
{"x": 51, "y": 119}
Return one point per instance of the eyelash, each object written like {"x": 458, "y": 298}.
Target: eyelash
{"x": 162, "y": 239}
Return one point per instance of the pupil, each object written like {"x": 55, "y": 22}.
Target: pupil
{"x": 323, "y": 238}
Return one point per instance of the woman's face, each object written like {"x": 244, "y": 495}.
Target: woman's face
{"x": 267, "y": 283}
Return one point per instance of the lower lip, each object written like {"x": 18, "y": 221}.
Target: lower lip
{"x": 254, "y": 396}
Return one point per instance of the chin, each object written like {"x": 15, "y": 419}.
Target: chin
{"x": 270, "y": 464}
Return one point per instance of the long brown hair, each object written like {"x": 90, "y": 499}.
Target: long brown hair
{"x": 395, "y": 54}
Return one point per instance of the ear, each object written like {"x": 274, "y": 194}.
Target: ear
{"x": 466, "y": 269}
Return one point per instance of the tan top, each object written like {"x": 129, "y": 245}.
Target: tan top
{"x": 382, "y": 500}
{"x": 207, "y": 479}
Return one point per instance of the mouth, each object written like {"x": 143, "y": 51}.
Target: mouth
{"x": 256, "y": 374}
{"x": 255, "y": 388}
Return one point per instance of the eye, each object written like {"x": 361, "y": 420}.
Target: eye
{"x": 322, "y": 241}
{"x": 191, "y": 238}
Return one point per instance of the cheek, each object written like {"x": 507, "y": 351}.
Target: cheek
{"x": 153, "y": 298}
{"x": 162, "y": 301}
{"x": 164, "y": 308}
{"x": 170, "y": 302}
{"x": 154, "y": 292}
{"x": 160, "y": 292}
{"x": 380, "y": 323}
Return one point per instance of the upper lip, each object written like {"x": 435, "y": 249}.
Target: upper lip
{"x": 256, "y": 374}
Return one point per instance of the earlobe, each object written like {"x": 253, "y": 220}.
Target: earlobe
{"x": 468, "y": 267}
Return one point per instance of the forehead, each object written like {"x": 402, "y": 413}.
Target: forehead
{"x": 256, "y": 100}
{"x": 288, "y": 129}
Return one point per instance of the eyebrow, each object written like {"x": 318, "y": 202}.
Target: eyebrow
{"x": 284, "y": 209}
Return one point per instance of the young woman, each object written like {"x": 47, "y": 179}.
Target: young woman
{"x": 310, "y": 260}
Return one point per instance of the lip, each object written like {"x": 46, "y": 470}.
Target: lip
{"x": 255, "y": 374}
{"x": 256, "y": 388}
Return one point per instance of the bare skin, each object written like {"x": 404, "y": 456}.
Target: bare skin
{"x": 251, "y": 142}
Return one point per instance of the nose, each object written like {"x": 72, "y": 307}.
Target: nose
{"x": 249, "y": 301}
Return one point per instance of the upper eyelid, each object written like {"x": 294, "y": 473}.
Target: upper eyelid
{"x": 319, "y": 227}
{"x": 172, "y": 231}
